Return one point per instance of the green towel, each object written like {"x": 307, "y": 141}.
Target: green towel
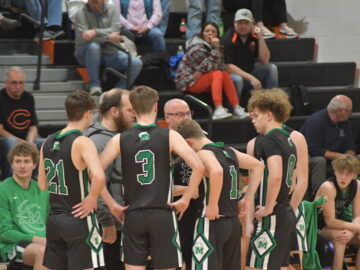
{"x": 311, "y": 258}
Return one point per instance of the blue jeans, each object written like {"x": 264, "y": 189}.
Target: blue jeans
{"x": 155, "y": 39}
{"x": 194, "y": 18}
{"x": 90, "y": 56}
{"x": 6, "y": 143}
{"x": 267, "y": 74}
{"x": 54, "y": 14}
{"x": 165, "y": 7}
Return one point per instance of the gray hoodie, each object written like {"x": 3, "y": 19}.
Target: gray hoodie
{"x": 104, "y": 23}
{"x": 100, "y": 136}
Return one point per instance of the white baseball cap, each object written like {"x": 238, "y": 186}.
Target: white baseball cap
{"x": 244, "y": 14}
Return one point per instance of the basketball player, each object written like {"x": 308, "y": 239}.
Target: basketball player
{"x": 150, "y": 223}
{"x": 67, "y": 159}
{"x": 270, "y": 243}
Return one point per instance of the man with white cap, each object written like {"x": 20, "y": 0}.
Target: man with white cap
{"x": 247, "y": 55}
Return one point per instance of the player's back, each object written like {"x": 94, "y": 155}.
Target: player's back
{"x": 145, "y": 158}
{"x": 229, "y": 162}
{"x": 66, "y": 184}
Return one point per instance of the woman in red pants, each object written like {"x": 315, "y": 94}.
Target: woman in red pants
{"x": 203, "y": 70}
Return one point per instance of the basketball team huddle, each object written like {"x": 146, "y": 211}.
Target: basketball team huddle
{"x": 183, "y": 202}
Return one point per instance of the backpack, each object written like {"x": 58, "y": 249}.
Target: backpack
{"x": 300, "y": 99}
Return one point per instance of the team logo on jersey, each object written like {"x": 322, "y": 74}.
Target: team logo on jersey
{"x": 56, "y": 146}
{"x": 144, "y": 136}
{"x": 185, "y": 173}
{"x": 263, "y": 243}
{"x": 226, "y": 154}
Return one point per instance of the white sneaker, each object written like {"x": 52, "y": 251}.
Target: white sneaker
{"x": 239, "y": 112}
{"x": 288, "y": 32}
{"x": 266, "y": 33}
{"x": 95, "y": 91}
{"x": 221, "y": 113}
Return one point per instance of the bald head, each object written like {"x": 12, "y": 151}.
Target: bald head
{"x": 339, "y": 108}
{"x": 175, "y": 111}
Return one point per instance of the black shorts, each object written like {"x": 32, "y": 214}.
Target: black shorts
{"x": 217, "y": 244}
{"x": 151, "y": 232}
{"x": 17, "y": 253}
{"x": 73, "y": 243}
{"x": 270, "y": 244}
{"x": 299, "y": 238}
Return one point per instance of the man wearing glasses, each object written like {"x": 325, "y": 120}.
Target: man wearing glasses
{"x": 18, "y": 121}
{"x": 175, "y": 111}
{"x": 329, "y": 135}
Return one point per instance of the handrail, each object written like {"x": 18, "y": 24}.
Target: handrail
{"x": 206, "y": 107}
{"x": 40, "y": 25}
{"x": 128, "y": 70}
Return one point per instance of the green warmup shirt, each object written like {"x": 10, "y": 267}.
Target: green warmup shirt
{"x": 23, "y": 214}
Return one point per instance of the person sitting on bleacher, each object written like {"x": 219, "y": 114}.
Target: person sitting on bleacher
{"x": 329, "y": 135}
{"x": 141, "y": 19}
{"x": 53, "y": 17}
{"x": 247, "y": 55}
{"x": 96, "y": 23}
{"x": 340, "y": 218}
{"x": 203, "y": 70}
{"x": 18, "y": 120}
{"x": 23, "y": 211}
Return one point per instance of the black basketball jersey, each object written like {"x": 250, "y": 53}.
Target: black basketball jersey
{"x": 276, "y": 142}
{"x": 66, "y": 184}
{"x": 145, "y": 155}
{"x": 229, "y": 192}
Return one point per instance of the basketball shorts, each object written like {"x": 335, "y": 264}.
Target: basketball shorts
{"x": 271, "y": 241}
{"x": 151, "y": 232}
{"x": 216, "y": 244}
{"x": 73, "y": 243}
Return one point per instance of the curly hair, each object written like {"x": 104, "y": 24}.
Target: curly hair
{"x": 273, "y": 100}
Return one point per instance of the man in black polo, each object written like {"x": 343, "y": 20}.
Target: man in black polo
{"x": 247, "y": 55}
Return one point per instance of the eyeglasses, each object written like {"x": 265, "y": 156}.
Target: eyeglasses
{"x": 182, "y": 114}
{"x": 16, "y": 83}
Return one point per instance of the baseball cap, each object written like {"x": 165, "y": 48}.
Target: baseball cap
{"x": 244, "y": 14}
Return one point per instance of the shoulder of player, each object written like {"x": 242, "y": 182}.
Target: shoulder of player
{"x": 327, "y": 188}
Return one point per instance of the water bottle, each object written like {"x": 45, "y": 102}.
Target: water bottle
{"x": 221, "y": 27}
{"x": 180, "y": 50}
{"x": 183, "y": 27}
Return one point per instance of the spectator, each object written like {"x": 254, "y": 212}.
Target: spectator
{"x": 116, "y": 116}
{"x": 53, "y": 18}
{"x": 246, "y": 57}
{"x": 6, "y": 23}
{"x": 18, "y": 121}
{"x": 141, "y": 20}
{"x": 96, "y": 23}
{"x": 329, "y": 135}
{"x": 165, "y": 9}
{"x": 195, "y": 11}
{"x": 203, "y": 70}
{"x": 339, "y": 221}
{"x": 23, "y": 211}
{"x": 272, "y": 12}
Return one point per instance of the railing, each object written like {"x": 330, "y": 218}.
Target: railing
{"x": 206, "y": 107}
{"x": 117, "y": 73}
{"x": 40, "y": 25}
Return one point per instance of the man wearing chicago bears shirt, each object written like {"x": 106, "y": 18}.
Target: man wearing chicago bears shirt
{"x": 18, "y": 121}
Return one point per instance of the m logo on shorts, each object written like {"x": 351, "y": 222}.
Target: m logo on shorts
{"x": 202, "y": 249}
{"x": 263, "y": 243}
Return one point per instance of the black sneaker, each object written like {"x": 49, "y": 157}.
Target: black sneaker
{"x": 8, "y": 24}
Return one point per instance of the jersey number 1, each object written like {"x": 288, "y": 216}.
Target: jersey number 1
{"x": 55, "y": 172}
{"x": 147, "y": 159}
